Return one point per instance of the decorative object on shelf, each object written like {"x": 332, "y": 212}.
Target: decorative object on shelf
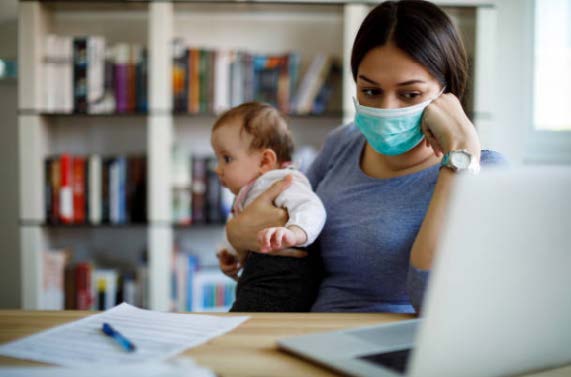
{"x": 8, "y": 69}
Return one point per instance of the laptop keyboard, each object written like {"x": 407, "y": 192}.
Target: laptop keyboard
{"x": 396, "y": 360}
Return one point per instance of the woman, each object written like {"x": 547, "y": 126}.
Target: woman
{"x": 385, "y": 179}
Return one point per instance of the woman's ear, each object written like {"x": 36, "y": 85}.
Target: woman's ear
{"x": 269, "y": 161}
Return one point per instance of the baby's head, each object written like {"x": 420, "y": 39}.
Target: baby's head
{"x": 250, "y": 140}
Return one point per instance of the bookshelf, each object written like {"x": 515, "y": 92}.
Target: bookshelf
{"x": 259, "y": 26}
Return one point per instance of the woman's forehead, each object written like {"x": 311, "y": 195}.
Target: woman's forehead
{"x": 389, "y": 65}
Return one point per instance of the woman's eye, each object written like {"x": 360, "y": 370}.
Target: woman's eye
{"x": 371, "y": 92}
{"x": 411, "y": 95}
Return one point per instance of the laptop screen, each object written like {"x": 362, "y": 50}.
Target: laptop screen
{"x": 396, "y": 360}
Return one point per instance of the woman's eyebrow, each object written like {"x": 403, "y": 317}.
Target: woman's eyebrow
{"x": 404, "y": 83}
{"x": 365, "y": 78}
{"x": 410, "y": 82}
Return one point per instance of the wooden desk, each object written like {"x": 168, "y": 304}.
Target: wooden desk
{"x": 250, "y": 350}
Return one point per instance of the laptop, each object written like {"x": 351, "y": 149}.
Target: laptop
{"x": 499, "y": 298}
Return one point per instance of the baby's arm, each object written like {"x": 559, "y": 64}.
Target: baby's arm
{"x": 306, "y": 217}
{"x": 281, "y": 238}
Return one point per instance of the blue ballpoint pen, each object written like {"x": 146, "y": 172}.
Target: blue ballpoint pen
{"x": 123, "y": 342}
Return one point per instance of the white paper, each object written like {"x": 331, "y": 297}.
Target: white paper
{"x": 183, "y": 367}
{"x": 156, "y": 335}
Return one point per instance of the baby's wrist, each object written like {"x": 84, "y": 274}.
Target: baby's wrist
{"x": 300, "y": 235}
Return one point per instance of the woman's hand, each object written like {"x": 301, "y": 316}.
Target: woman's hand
{"x": 242, "y": 230}
{"x": 228, "y": 263}
{"x": 447, "y": 127}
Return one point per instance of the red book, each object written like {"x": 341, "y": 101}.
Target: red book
{"x": 66, "y": 191}
{"x": 83, "y": 286}
{"x": 219, "y": 294}
{"x": 79, "y": 190}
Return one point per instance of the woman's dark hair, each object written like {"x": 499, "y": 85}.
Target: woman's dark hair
{"x": 423, "y": 31}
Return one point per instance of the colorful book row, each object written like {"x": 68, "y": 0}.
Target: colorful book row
{"x": 85, "y": 75}
{"x": 198, "y": 197}
{"x": 211, "y": 81}
{"x": 94, "y": 189}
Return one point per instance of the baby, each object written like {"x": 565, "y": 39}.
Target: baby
{"x": 253, "y": 147}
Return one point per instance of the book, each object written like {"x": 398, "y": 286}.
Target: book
{"x": 311, "y": 83}
{"x": 214, "y": 213}
{"x": 95, "y": 74}
{"x": 121, "y": 77}
{"x": 83, "y": 286}
{"x": 80, "y": 74}
{"x": 199, "y": 182}
{"x": 136, "y": 189}
{"x": 53, "y": 265}
{"x": 95, "y": 189}
{"x": 79, "y": 190}
{"x": 180, "y": 76}
{"x": 142, "y": 81}
{"x": 66, "y": 190}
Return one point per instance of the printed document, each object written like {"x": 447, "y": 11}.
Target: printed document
{"x": 180, "y": 367}
{"x": 156, "y": 335}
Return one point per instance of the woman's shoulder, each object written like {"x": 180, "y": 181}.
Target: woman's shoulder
{"x": 490, "y": 157}
{"x": 342, "y": 137}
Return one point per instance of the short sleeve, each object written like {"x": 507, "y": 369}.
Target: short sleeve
{"x": 323, "y": 161}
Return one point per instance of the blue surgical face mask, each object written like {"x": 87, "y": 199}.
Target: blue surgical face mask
{"x": 391, "y": 131}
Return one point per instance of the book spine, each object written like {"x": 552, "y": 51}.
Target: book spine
{"x": 80, "y": 74}
{"x": 66, "y": 190}
{"x": 106, "y": 190}
{"x": 95, "y": 189}
{"x": 198, "y": 190}
{"x": 95, "y": 73}
{"x": 213, "y": 192}
{"x": 195, "y": 81}
{"x": 142, "y": 77}
{"x": 203, "y": 73}
{"x": 53, "y": 283}
{"x": 78, "y": 190}
{"x": 114, "y": 192}
{"x": 121, "y": 70}
{"x": 70, "y": 288}
{"x": 83, "y": 286}
{"x": 48, "y": 190}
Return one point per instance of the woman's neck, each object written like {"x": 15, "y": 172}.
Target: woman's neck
{"x": 377, "y": 165}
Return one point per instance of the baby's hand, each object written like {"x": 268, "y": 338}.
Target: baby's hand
{"x": 271, "y": 239}
{"x": 229, "y": 263}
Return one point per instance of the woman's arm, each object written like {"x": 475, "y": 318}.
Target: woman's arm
{"x": 243, "y": 229}
{"x": 447, "y": 128}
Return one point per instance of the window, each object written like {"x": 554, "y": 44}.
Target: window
{"x": 552, "y": 66}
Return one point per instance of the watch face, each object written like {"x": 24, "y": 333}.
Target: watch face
{"x": 460, "y": 159}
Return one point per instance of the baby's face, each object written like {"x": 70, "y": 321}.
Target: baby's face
{"x": 237, "y": 165}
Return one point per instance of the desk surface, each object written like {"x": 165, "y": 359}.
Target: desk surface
{"x": 250, "y": 350}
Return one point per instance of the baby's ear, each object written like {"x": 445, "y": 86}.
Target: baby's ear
{"x": 269, "y": 160}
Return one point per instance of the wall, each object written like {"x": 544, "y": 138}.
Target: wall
{"x": 9, "y": 235}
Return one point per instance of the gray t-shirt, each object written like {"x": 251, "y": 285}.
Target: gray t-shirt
{"x": 371, "y": 227}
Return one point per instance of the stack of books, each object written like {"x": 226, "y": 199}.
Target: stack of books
{"x": 200, "y": 289}
{"x": 212, "y": 81}
{"x": 94, "y": 189}
{"x": 85, "y": 286}
{"x": 198, "y": 197}
{"x": 85, "y": 75}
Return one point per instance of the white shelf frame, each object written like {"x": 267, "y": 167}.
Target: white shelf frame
{"x": 33, "y": 127}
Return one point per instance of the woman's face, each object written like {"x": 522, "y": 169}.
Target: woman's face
{"x": 388, "y": 78}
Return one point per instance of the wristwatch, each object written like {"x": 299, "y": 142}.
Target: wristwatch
{"x": 460, "y": 161}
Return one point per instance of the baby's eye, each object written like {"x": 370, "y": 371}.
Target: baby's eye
{"x": 227, "y": 159}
